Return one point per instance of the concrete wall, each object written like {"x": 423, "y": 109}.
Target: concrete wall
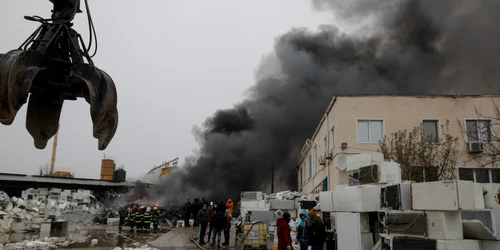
{"x": 397, "y": 113}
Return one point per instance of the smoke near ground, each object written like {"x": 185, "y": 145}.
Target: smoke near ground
{"x": 409, "y": 47}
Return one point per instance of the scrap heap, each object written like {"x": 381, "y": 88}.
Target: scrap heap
{"x": 40, "y": 205}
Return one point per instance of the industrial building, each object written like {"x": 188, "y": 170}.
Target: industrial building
{"x": 354, "y": 124}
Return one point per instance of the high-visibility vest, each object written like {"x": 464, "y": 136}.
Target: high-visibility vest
{"x": 138, "y": 217}
{"x": 147, "y": 217}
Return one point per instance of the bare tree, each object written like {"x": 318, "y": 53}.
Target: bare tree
{"x": 485, "y": 131}
{"x": 412, "y": 150}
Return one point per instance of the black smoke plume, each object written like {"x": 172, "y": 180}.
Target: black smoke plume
{"x": 403, "y": 47}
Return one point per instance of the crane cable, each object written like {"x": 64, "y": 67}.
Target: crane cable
{"x": 92, "y": 32}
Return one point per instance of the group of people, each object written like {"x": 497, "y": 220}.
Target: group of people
{"x": 311, "y": 231}
{"x": 139, "y": 217}
{"x": 214, "y": 216}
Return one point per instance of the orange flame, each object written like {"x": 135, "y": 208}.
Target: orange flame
{"x": 157, "y": 204}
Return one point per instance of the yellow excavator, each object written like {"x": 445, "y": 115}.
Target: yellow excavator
{"x": 54, "y": 65}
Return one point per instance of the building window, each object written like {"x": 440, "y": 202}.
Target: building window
{"x": 495, "y": 175}
{"x": 332, "y": 134}
{"x": 310, "y": 167}
{"x": 479, "y": 175}
{"x": 430, "y": 130}
{"x": 370, "y": 131}
{"x": 323, "y": 186}
{"x": 315, "y": 159}
{"x": 326, "y": 143}
{"x": 300, "y": 176}
{"x": 478, "y": 130}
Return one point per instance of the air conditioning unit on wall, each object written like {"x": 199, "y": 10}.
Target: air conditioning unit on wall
{"x": 384, "y": 172}
{"x": 322, "y": 161}
{"x": 476, "y": 147}
{"x": 329, "y": 156}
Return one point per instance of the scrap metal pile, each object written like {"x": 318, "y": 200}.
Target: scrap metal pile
{"x": 40, "y": 205}
{"x": 288, "y": 195}
{"x": 50, "y": 68}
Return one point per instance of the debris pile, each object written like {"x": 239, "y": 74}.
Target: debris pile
{"x": 288, "y": 195}
{"x": 145, "y": 247}
{"x": 47, "y": 243}
{"x": 41, "y": 205}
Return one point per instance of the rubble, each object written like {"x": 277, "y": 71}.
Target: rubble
{"x": 288, "y": 195}
{"x": 47, "y": 243}
{"x": 37, "y": 206}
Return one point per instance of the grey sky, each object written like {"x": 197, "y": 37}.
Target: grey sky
{"x": 173, "y": 62}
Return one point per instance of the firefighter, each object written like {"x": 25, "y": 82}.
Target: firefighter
{"x": 123, "y": 214}
{"x": 156, "y": 219}
{"x": 138, "y": 219}
{"x": 131, "y": 218}
{"x": 147, "y": 220}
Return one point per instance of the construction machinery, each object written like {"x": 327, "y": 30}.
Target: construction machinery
{"x": 54, "y": 65}
{"x": 166, "y": 167}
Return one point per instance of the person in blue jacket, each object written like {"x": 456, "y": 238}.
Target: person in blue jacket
{"x": 301, "y": 230}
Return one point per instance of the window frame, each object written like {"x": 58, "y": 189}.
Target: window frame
{"x": 369, "y": 129}
{"x": 474, "y": 174}
{"x": 332, "y": 137}
{"x": 492, "y": 132}
{"x": 309, "y": 162}
{"x": 325, "y": 140}
{"x": 315, "y": 159}
{"x": 438, "y": 127}
{"x": 300, "y": 176}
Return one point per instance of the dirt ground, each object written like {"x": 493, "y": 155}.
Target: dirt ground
{"x": 109, "y": 238}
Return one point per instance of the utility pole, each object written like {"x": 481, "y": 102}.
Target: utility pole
{"x": 272, "y": 178}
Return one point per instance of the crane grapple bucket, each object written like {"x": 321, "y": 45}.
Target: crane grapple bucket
{"x": 51, "y": 70}
{"x": 18, "y": 68}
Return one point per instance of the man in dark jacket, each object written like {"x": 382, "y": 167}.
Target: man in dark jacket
{"x": 196, "y": 207}
{"x": 187, "y": 213}
{"x": 301, "y": 230}
{"x": 219, "y": 221}
{"x": 316, "y": 231}
{"x": 283, "y": 232}
{"x": 211, "y": 212}
{"x": 203, "y": 220}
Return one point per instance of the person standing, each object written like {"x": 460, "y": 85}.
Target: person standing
{"x": 147, "y": 220}
{"x": 196, "y": 207}
{"x": 301, "y": 230}
{"x": 123, "y": 214}
{"x": 138, "y": 219}
{"x": 156, "y": 219}
{"x": 203, "y": 216}
{"x": 227, "y": 228}
{"x": 230, "y": 205}
{"x": 316, "y": 231}
{"x": 219, "y": 223}
{"x": 187, "y": 213}
{"x": 131, "y": 218}
{"x": 283, "y": 232}
{"x": 211, "y": 212}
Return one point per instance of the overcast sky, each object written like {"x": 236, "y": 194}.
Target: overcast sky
{"x": 173, "y": 62}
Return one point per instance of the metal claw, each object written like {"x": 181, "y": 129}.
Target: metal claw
{"x": 50, "y": 65}
{"x": 42, "y": 119}
{"x": 18, "y": 69}
{"x": 102, "y": 97}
